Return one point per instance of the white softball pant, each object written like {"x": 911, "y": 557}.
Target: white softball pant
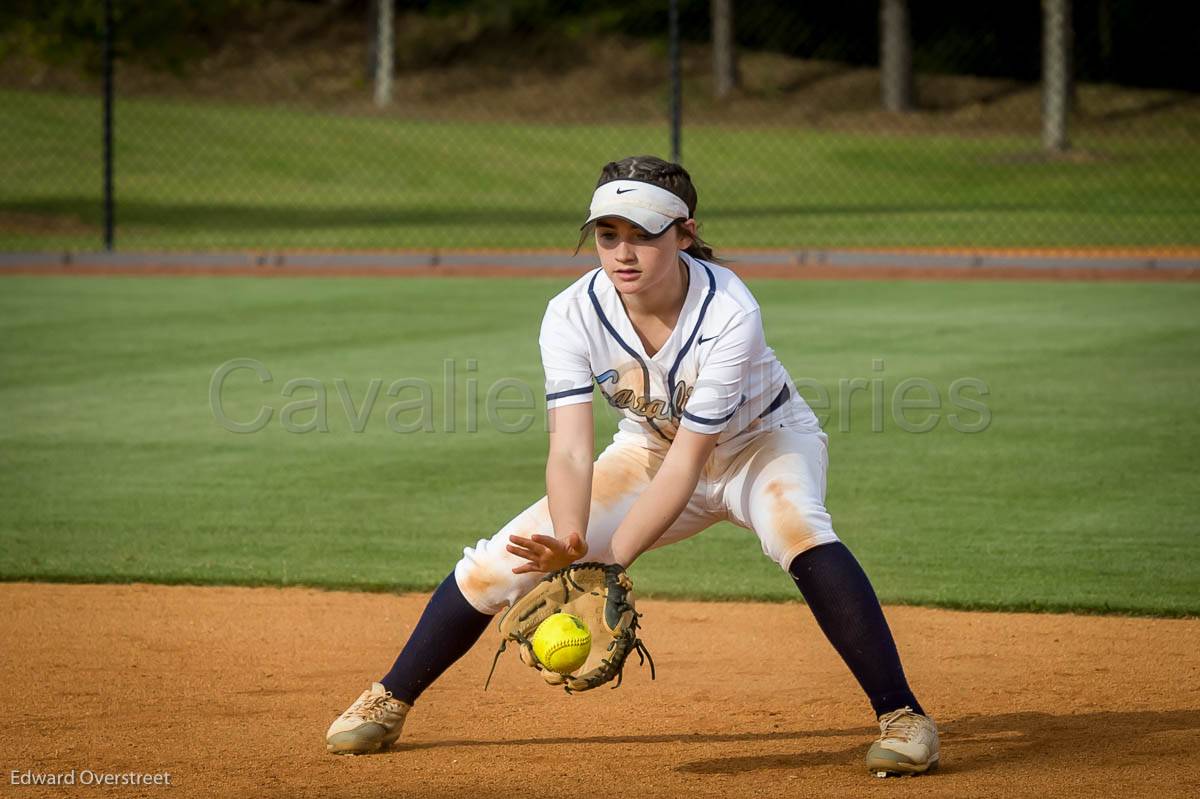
{"x": 774, "y": 485}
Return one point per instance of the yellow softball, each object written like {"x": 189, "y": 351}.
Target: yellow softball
{"x": 562, "y": 643}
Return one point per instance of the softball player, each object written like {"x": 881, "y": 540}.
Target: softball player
{"x": 711, "y": 429}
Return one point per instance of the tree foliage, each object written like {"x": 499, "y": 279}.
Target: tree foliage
{"x": 1135, "y": 42}
{"x": 163, "y": 33}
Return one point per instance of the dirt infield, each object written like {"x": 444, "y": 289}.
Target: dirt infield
{"x": 229, "y": 691}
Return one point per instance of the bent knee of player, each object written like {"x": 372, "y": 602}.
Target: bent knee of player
{"x": 485, "y": 572}
{"x": 788, "y": 528}
{"x": 486, "y": 578}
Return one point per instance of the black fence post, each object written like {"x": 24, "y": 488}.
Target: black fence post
{"x": 676, "y": 89}
{"x": 109, "y": 221}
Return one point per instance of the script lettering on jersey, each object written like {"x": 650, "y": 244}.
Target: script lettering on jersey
{"x": 644, "y": 406}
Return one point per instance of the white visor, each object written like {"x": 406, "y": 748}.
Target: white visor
{"x": 650, "y": 207}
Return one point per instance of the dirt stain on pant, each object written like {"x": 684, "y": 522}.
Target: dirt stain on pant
{"x": 622, "y": 474}
{"x": 789, "y": 523}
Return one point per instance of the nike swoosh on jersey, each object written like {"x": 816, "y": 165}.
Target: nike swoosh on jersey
{"x": 702, "y": 339}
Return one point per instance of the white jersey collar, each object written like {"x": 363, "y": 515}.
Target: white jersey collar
{"x": 615, "y": 315}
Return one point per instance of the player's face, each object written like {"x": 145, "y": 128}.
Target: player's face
{"x": 634, "y": 260}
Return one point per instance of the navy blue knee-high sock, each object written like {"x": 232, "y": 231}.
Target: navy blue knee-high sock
{"x": 841, "y": 597}
{"x": 448, "y": 628}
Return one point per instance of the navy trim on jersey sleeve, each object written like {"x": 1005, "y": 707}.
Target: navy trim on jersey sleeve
{"x": 722, "y": 420}
{"x": 702, "y": 420}
{"x": 571, "y": 392}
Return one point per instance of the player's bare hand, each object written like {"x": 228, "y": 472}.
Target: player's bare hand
{"x": 546, "y": 553}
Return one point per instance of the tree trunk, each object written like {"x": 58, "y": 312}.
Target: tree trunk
{"x": 724, "y": 47}
{"x": 895, "y": 56}
{"x": 1057, "y": 36}
{"x": 372, "y": 41}
{"x": 385, "y": 53}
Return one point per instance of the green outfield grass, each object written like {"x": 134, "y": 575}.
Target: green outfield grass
{"x": 205, "y": 175}
{"x": 1079, "y": 494}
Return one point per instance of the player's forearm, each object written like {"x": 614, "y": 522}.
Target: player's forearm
{"x": 654, "y": 511}
{"x": 569, "y": 492}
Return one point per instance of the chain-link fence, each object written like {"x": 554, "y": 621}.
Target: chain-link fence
{"x": 484, "y": 123}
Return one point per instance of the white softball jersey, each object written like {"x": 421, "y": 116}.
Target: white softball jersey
{"x": 715, "y": 374}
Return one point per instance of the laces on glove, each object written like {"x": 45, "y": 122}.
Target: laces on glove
{"x": 643, "y": 655}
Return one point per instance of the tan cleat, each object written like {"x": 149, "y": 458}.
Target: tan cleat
{"x": 908, "y": 744}
{"x": 372, "y": 723}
